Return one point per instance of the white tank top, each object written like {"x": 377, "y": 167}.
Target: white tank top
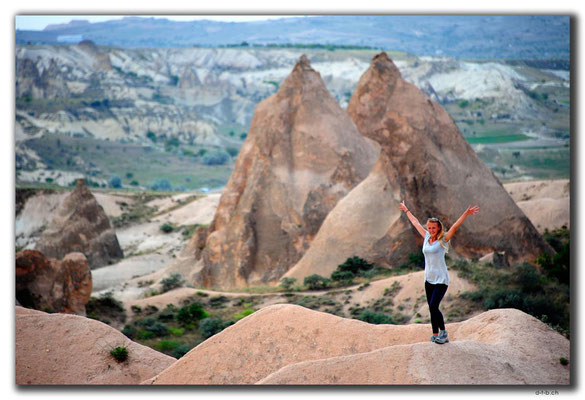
{"x": 435, "y": 267}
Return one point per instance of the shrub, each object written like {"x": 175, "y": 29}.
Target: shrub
{"x": 181, "y": 350}
{"x": 315, "y": 282}
{"x": 286, "y": 283}
{"x": 115, "y": 182}
{"x": 166, "y": 228}
{"x": 120, "y": 354}
{"x": 355, "y": 265}
{"x": 130, "y": 331}
{"x": 192, "y": 313}
{"x": 528, "y": 278}
{"x": 232, "y": 151}
{"x": 243, "y": 314}
{"x": 344, "y": 277}
{"x": 151, "y": 136}
{"x": 168, "y": 314}
{"x": 218, "y": 301}
{"x": 218, "y": 157}
{"x": 375, "y": 318}
{"x": 162, "y": 185}
{"x": 212, "y": 326}
{"x": 166, "y": 345}
{"x": 172, "y": 282}
{"x": 177, "y": 331}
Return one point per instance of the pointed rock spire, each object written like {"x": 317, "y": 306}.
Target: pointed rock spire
{"x": 303, "y": 153}
{"x": 437, "y": 169}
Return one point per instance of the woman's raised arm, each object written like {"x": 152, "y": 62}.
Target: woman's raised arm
{"x": 470, "y": 211}
{"x": 413, "y": 220}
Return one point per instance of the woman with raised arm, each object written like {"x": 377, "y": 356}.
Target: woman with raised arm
{"x": 435, "y": 245}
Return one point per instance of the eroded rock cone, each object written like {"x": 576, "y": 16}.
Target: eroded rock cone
{"x": 48, "y": 284}
{"x": 303, "y": 153}
{"x": 58, "y": 349}
{"x": 81, "y": 225}
{"x": 365, "y": 223}
{"x": 437, "y": 169}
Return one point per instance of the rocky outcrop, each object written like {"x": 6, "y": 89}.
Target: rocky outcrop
{"x": 58, "y": 349}
{"x": 48, "y": 284}
{"x": 365, "y": 223}
{"x": 287, "y": 344}
{"x": 302, "y": 155}
{"x": 437, "y": 170}
{"x": 81, "y": 225}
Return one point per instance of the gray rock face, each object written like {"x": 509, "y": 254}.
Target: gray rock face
{"x": 302, "y": 155}
{"x": 437, "y": 170}
{"x": 81, "y": 225}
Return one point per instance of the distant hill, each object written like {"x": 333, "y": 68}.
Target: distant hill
{"x": 459, "y": 36}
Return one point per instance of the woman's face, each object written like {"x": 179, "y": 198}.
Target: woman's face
{"x": 433, "y": 228}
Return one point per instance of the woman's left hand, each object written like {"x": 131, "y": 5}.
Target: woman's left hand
{"x": 472, "y": 210}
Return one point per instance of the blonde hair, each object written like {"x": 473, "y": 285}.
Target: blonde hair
{"x": 441, "y": 233}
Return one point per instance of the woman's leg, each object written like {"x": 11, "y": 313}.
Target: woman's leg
{"x": 435, "y": 294}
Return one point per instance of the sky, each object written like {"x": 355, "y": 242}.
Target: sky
{"x": 40, "y": 22}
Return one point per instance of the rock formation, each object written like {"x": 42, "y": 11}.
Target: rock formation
{"x": 288, "y": 344}
{"x": 438, "y": 171}
{"x": 365, "y": 223}
{"x": 58, "y": 349}
{"x": 81, "y": 225}
{"x": 49, "y": 284}
{"x": 302, "y": 155}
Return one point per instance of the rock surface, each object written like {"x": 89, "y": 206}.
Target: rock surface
{"x": 287, "y": 344}
{"x": 437, "y": 169}
{"x": 58, "y": 349}
{"x": 49, "y": 284}
{"x": 81, "y": 225}
{"x": 302, "y": 155}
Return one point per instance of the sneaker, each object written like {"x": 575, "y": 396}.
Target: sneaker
{"x": 442, "y": 338}
{"x": 433, "y": 338}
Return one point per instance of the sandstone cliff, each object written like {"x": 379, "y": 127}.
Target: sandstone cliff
{"x": 81, "y": 225}
{"x": 303, "y": 154}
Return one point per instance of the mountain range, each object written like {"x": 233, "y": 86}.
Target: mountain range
{"x": 459, "y": 36}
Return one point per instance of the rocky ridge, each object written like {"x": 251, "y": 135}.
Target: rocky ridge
{"x": 286, "y": 344}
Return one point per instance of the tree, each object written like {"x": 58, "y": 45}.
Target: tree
{"x": 315, "y": 282}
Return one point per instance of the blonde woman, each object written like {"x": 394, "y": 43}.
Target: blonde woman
{"x": 435, "y": 245}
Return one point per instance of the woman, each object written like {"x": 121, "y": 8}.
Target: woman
{"x": 436, "y": 244}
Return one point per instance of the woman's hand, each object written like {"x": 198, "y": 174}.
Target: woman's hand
{"x": 472, "y": 210}
{"x": 402, "y": 207}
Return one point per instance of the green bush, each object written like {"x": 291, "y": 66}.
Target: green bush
{"x": 167, "y": 345}
{"x": 166, "y": 228}
{"x": 191, "y": 313}
{"x": 355, "y": 265}
{"x": 343, "y": 277}
{"x": 243, "y": 314}
{"x": 212, "y": 326}
{"x": 172, "y": 282}
{"x": 286, "y": 283}
{"x": 375, "y": 318}
{"x": 120, "y": 354}
{"x": 316, "y": 282}
{"x": 115, "y": 182}
{"x": 218, "y": 157}
{"x": 162, "y": 185}
{"x": 130, "y": 331}
{"x": 181, "y": 350}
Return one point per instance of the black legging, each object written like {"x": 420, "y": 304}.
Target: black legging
{"x": 435, "y": 294}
